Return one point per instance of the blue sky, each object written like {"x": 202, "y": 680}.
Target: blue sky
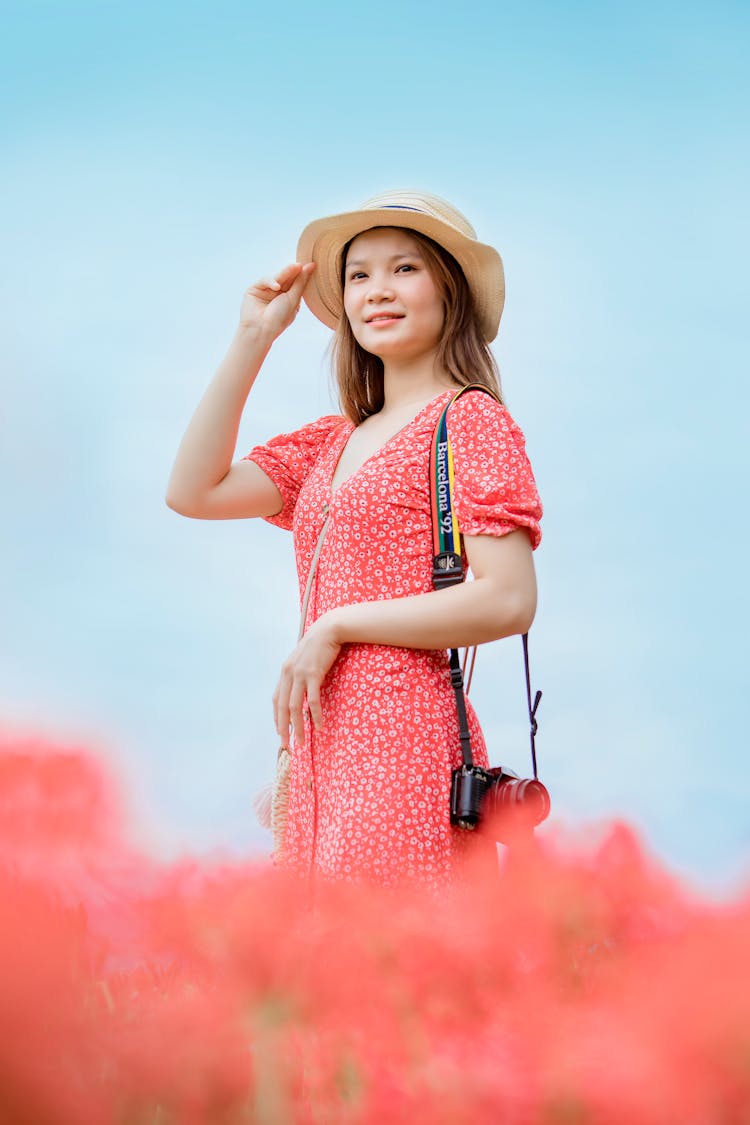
{"x": 157, "y": 159}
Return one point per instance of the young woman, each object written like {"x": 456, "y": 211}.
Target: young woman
{"x": 414, "y": 299}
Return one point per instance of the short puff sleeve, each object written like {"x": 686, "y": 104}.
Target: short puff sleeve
{"x": 288, "y": 460}
{"x": 495, "y": 491}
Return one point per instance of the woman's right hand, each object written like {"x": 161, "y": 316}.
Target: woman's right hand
{"x": 271, "y": 304}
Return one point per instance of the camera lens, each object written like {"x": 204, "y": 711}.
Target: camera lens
{"x": 526, "y": 800}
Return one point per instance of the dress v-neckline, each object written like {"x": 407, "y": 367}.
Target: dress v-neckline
{"x": 332, "y": 492}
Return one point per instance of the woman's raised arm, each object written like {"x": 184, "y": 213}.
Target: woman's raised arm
{"x": 204, "y": 484}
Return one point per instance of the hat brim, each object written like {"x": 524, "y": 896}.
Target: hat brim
{"x": 323, "y": 240}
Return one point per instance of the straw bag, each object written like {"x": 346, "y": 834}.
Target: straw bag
{"x": 272, "y": 801}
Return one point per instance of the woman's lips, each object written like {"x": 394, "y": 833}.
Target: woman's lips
{"x": 384, "y": 320}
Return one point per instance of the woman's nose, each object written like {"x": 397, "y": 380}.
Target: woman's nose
{"x": 379, "y": 291}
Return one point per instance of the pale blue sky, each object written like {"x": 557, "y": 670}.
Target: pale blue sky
{"x": 157, "y": 159}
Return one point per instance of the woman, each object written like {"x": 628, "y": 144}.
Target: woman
{"x": 414, "y": 299}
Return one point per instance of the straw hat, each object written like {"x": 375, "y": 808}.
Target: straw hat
{"x": 323, "y": 240}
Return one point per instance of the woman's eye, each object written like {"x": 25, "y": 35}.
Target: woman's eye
{"x": 405, "y": 266}
{"x": 354, "y": 276}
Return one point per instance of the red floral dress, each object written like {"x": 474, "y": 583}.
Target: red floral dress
{"x": 370, "y": 791}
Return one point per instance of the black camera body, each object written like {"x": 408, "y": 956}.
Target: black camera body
{"x": 511, "y": 804}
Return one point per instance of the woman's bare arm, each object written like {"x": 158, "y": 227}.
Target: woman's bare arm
{"x": 204, "y": 483}
{"x": 499, "y": 602}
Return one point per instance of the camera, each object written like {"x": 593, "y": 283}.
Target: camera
{"x": 511, "y": 804}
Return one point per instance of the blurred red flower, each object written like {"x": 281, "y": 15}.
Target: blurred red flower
{"x": 573, "y": 985}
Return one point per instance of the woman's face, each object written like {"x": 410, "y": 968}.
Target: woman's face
{"x": 391, "y": 300}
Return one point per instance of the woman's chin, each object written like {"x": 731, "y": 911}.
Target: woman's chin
{"x": 395, "y": 351}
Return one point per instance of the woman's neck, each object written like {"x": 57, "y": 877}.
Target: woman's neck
{"x": 413, "y": 384}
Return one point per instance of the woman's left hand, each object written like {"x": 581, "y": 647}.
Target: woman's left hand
{"x": 302, "y": 673}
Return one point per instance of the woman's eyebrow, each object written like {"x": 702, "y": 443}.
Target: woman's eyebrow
{"x": 393, "y": 258}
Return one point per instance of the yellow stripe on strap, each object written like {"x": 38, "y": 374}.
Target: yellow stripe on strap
{"x": 452, "y": 484}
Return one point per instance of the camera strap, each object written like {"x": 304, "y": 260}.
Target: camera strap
{"x": 448, "y": 567}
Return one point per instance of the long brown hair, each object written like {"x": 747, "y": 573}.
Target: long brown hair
{"x": 462, "y": 352}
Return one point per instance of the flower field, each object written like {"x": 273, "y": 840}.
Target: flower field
{"x": 581, "y": 984}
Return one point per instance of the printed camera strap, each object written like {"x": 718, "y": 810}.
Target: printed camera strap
{"x": 448, "y": 568}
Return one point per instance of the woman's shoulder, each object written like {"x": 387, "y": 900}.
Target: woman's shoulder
{"x": 309, "y": 436}
{"x": 320, "y": 429}
{"x": 495, "y": 487}
{"x": 480, "y": 416}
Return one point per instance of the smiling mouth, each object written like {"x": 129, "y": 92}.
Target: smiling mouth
{"x": 384, "y": 316}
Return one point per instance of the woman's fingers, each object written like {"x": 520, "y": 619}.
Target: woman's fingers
{"x": 289, "y": 271}
{"x": 290, "y": 275}
{"x": 293, "y": 279}
{"x": 281, "y": 707}
{"x": 300, "y": 283}
{"x": 302, "y": 675}
{"x": 314, "y": 705}
{"x": 266, "y": 283}
{"x": 281, "y": 283}
{"x": 275, "y": 301}
{"x": 303, "y": 694}
{"x": 296, "y": 699}
{"x": 289, "y": 706}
